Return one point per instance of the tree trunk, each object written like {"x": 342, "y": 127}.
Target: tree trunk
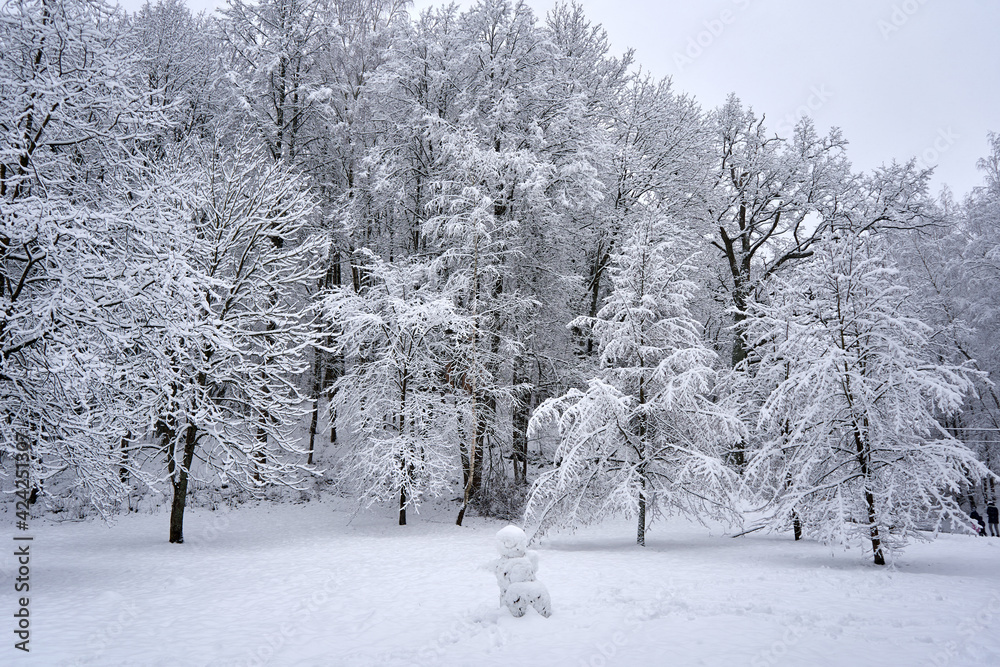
{"x": 317, "y": 388}
{"x": 876, "y": 542}
{"x": 796, "y": 523}
{"x": 737, "y": 455}
{"x": 260, "y": 455}
{"x": 180, "y": 484}
{"x": 739, "y": 259}
{"x": 313, "y": 422}
{"x": 519, "y": 437}
{"x": 122, "y": 468}
{"x": 402, "y": 427}
{"x": 472, "y": 475}
{"x": 471, "y": 461}
{"x": 863, "y": 455}
{"x": 402, "y": 506}
{"x": 640, "y": 536}
{"x": 601, "y": 260}
{"x": 333, "y": 371}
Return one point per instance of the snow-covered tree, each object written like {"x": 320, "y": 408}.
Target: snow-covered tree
{"x": 977, "y": 276}
{"x": 397, "y": 337}
{"x": 473, "y": 264}
{"x": 770, "y": 199}
{"x": 228, "y": 255}
{"x": 71, "y": 126}
{"x": 519, "y": 154}
{"x": 854, "y": 447}
{"x": 645, "y": 435}
{"x": 272, "y": 47}
{"x": 953, "y": 269}
{"x": 765, "y": 189}
{"x": 659, "y": 153}
{"x": 179, "y": 63}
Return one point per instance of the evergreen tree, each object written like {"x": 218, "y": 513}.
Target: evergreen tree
{"x": 645, "y": 436}
{"x": 397, "y": 337}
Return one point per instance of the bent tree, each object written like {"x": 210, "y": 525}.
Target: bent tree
{"x": 852, "y": 444}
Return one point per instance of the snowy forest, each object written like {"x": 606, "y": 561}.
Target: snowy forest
{"x": 306, "y": 246}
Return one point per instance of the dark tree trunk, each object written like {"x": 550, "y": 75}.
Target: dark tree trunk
{"x": 260, "y": 455}
{"x": 331, "y": 374}
{"x": 640, "y": 535}
{"x": 863, "y": 460}
{"x": 477, "y": 464}
{"x": 317, "y": 389}
{"x": 122, "y": 468}
{"x": 737, "y": 455}
{"x": 402, "y": 426}
{"x": 519, "y": 457}
{"x": 601, "y": 260}
{"x": 796, "y": 523}
{"x": 313, "y": 422}
{"x": 739, "y": 256}
{"x": 332, "y": 371}
{"x": 180, "y": 484}
{"x": 402, "y": 506}
{"x": 876, "y": 541}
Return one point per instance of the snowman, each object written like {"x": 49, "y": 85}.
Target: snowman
{"x": 515, "y": 570}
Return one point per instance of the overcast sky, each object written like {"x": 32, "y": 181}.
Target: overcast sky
{"x": 902, "y": 78}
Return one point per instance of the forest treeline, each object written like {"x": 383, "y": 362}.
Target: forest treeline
{"x": 470, "y": 251}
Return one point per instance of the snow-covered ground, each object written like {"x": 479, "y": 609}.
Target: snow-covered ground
{"x": 303, "y": 585}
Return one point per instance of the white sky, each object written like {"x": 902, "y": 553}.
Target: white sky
{"x": 902, "y": 78}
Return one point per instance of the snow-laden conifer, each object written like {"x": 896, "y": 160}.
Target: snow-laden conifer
{"x": 397, "y": 393}
{"x": 645, "y": 435}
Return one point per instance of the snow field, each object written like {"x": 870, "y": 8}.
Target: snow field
{"x": 300, "y": 585}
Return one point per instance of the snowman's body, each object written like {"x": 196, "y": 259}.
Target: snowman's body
{"x": 515, "y": 571}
